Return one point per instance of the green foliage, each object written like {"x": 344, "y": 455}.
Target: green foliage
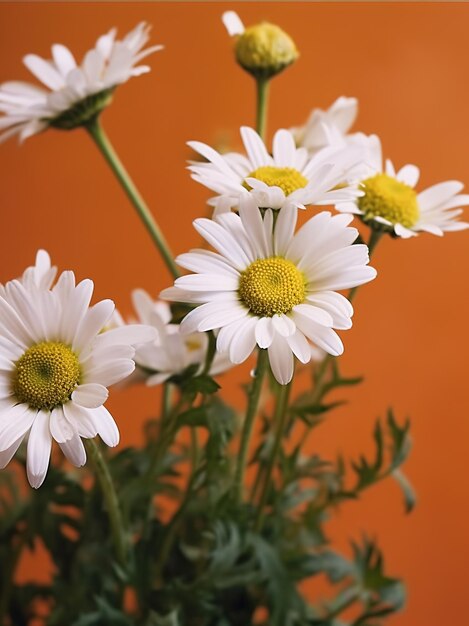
{"x": 214, "y": 562}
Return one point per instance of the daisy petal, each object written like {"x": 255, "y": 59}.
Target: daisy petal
{"x": 39, "y": 448}
{"x": 60, "y": 428}
{"x": 7, "y": 455}
{"x": 106, "y": 426}
{"x": 281, "y": 360}
{"x": 74, "y": 450}
{"x": 15, "y": 423}
{"x": 232, "y": 23}
{"x": 90, "y": 395}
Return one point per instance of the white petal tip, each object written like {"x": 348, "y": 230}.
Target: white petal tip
{"x": 232, "y": 23}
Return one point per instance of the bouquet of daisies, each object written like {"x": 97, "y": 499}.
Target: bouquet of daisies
{"x": 218, "y": 518}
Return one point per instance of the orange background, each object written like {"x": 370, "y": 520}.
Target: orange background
{"x": 409, "y": 65}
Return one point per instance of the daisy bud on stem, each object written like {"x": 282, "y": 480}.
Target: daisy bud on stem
{"x": 263, "y": 50}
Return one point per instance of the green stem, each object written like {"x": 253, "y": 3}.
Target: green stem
{"x": 100, "y": 138}
{"x": 8, "y": 575}
{"x": 195, "y": 448}
{"x": 166, "y": 394}
{"x": 262, "y": 87}
{"x": 211, "y": 350}
{"x": 104, "y": 478}
{"x": 280, "y": 420}
{"x": 169, "y": 427}
{"x": 253, "y": 402}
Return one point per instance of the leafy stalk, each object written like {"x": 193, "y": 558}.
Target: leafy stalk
{"x": 104, "y": 478}
{"x": 254, "y": 395}
{"x": 280, "y": 420}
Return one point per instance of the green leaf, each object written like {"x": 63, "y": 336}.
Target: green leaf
{"x": 201, "y": 384}
{"x": 197, "y": 416}
{"x": 407, "y": 490}
{"x": 328, "y": 562}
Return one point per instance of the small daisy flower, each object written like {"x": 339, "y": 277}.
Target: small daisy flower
{"x": 271, "y": 287}
{"x": 55, "y": 367}
{"x": 72, "y": 94}
{"x": 172, "y": 352}
{"x": 288, "y": 178}
{"x": 330, "y": 127}
{"x": 391, "y": 203}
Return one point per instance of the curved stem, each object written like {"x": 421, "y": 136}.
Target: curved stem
{"x": 262, "y": 87}
{"x": 100, "y": 138}
{"x": 280, "y": 420}
{"x": 254, "y": 395}
{"x": 104, "y": 478}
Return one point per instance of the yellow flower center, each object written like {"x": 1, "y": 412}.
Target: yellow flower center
{"x": 388, "y": 198}
{"x": 287, "y": 178}
{"x": 46, "y": 375}
{"x": 271, "y": 286}
{"x": 193, "y": 344}
{"x": 265, "y": 48}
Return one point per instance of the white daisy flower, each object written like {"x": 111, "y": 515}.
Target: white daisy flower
{"x": 390, "y": 202}
{"x": 172, "y": 352}
{"x": 330, "y": 127}
{"x": 289, "y": 178}
{"x": 271, "y": 287}
{"x": 72, "y": 94}
{"x": 55, "y": 367}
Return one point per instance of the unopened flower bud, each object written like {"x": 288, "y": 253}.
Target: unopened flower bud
{"x": 262, "y": 50}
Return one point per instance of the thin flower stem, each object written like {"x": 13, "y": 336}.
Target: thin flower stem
{"x": 262, "y": 85}
{"x": 251, "y": 412}
{"x": 280, "y": 421}
{"x": 104, "y": 478}
{"x": 100, "y": 138}
{"x": 8, "y": 574}
{"x": 166, "y": 394}
{"x": 210, "y": 354}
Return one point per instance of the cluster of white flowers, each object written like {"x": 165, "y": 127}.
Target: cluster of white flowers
{"x": 265, "y": 284}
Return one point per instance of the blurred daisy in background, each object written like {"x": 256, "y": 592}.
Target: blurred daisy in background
{"x": 71, "y": 94}
{"x": 171, "y": 353}
{"x": 272, "y": 288}
{"x": 330, "y": 127}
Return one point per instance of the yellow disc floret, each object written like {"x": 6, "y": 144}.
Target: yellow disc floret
{"x": 46, "y": 375}
{"x": 389, "y": 198}
{"x": 271, "y": 286}
{"x": 287, "y": 178}
{"x": 265, "y": 49}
